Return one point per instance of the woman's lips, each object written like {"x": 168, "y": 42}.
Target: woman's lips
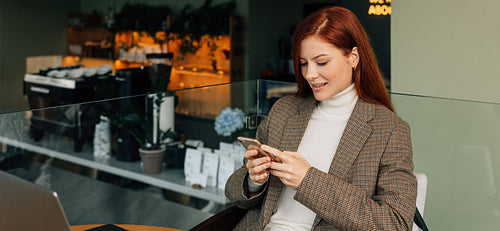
{"x": 317, "y": 86}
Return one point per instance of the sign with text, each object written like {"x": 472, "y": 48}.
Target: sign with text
{"x": 380, "y": 7}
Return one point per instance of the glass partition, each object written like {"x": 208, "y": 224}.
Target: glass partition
{"x": 455, "y": 143}
{"x": 49, "y": 145}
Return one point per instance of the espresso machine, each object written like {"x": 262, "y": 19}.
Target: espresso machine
{"x": 61, "y": 93}
{"x": 64, "y": 94}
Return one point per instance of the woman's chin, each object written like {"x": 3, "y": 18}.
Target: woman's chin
{"x": 319, "y": 97}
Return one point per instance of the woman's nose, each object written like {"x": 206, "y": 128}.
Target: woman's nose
{"x": 311, "y": 73}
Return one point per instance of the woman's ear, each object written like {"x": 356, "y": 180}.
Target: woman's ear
{"x": 354, "y": 56}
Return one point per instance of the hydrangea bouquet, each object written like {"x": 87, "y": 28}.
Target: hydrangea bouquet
{"x": 229, "y": 121}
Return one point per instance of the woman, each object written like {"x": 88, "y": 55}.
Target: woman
{"x": 345, "y": 156}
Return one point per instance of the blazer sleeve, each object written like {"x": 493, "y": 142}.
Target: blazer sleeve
{"x": 236, "y": 189}
{"x": 348, "y": 207}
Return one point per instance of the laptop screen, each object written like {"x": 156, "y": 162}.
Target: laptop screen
{"x": 27, "y": 206}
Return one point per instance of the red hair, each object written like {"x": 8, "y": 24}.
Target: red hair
{"x": 341, "y": 28}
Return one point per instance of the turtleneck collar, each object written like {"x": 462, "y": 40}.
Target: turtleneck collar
{"x": 341, "y": 103}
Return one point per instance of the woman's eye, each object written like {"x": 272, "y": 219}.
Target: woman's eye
{"x": 322, "y": 64}
{"x": 303, "y": 64}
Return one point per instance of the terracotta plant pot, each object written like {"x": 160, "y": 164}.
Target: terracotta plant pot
{"x": 152, "y": 160}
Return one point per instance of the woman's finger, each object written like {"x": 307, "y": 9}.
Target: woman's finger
{"x": 262, "y": 167}
{"x": 292, "y": 170}
{"x": 277, "y": 153}
{"x": 258, "y": 161}
{"x": 277, "y": 166}
{"x": 250, "y": 154}
{"x": 259, "y": 177}
{"x": 277, "y": 173}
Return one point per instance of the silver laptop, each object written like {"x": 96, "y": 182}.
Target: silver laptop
{"x": 25, "y": 206}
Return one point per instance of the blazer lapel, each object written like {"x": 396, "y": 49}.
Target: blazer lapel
{"x": 354, "y": 137}
{"x": 297, "y": 124}
{"x": 355, "y": 134}
{"x": 295, "y": 128}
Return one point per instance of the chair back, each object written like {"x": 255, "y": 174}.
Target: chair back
{"x": 421, "y": 193}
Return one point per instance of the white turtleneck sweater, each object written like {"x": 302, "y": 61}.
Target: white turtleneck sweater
{"x": 318, "y": 146}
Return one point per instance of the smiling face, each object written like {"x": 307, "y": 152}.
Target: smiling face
{"x": 327, "y": 69}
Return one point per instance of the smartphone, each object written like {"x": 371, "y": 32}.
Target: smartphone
{"x": 108, "y": 227}
{"x": 251, "y": 144}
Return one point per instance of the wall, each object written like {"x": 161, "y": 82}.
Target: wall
{"x": 267, "y": 21}
{"x": 28, "y": 28}
{"x": 450, "y": 49}
{"x": 378, "y": 28}
{"x": 446, "y": 48}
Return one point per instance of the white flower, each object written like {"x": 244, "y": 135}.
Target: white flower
{"x": 229, "y": 121}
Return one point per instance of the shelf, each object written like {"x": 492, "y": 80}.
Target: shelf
{"x": 62, "y": 148}
{"x": 200, "y": 71}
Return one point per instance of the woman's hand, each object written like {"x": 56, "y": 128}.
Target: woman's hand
{"x": 291, "y": 170}
{"x": 257, "y": 166}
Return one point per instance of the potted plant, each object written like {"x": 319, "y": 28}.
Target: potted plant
{"x": 145, "y": 130}
{"x": 152, "y": 151}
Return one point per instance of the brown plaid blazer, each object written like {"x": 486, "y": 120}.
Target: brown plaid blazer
{"x": 369, "y": 186}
